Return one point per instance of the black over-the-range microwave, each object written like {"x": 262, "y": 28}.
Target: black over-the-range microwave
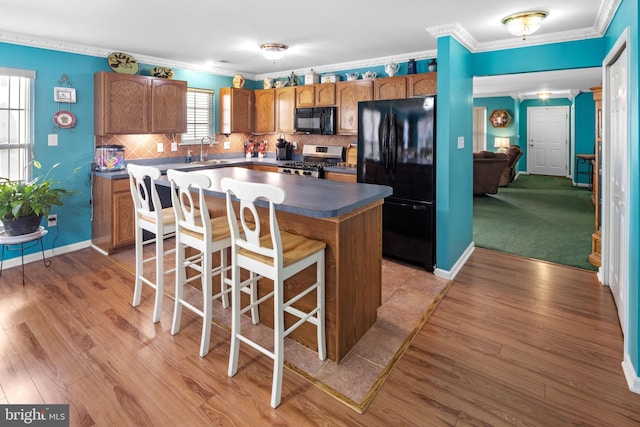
{"x": 317, "y": 120}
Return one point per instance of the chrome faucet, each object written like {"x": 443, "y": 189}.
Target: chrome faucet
{"x": 203, "y": 156}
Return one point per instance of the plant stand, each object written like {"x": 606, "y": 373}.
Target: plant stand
{"x": 13, "y": 243}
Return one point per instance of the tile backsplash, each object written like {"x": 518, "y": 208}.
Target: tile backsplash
{"x": 146, "y": 146}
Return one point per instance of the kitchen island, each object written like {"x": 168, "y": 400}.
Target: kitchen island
{"x": 348, "y": 217}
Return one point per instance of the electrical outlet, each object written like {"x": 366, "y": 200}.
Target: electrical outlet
{"x": 52, "y": 220}
{"x": 174, "y": 146}
{"x": 160, "y": 147}
{"x": 295, "y": 145}
{"x": 227, "y": 145}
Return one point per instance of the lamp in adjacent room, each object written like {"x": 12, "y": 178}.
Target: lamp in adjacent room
{"x": 273, "y": 51}
{"x": 524, "y": 24}
{"x": 501, "y": 143}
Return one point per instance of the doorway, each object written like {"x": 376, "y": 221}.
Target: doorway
{"x": 615, "y": 177}
{"x": 547, "y": 140}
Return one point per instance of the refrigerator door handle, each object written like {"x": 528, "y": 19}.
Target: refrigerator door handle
{"x": 384, "y": 142}
{"x": 393, "y": 152}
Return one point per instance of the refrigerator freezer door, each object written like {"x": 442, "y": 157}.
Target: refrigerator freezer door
{"x": 408, "y": 232}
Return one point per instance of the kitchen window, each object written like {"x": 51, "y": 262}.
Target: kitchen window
{"x": 200, "y": 117}
{"x": 16, "y": 144}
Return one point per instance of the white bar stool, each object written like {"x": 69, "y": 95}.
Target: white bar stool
{"x": 150, "y": 216}
{"x": 276, "y": 255}
{"x": 197, "y": 230}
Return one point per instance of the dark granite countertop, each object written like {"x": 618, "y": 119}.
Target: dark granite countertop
{"x": 316, "y": 198}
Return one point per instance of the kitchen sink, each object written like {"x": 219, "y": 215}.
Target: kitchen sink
{"x": 209, "y": 162}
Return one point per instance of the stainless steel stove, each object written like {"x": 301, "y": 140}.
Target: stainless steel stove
{"x": 314, "y": 159}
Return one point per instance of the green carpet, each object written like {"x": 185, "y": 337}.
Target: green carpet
{"x": 536, "y": 216}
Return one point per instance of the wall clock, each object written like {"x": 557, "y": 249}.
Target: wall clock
{"x": 500, "y": 118}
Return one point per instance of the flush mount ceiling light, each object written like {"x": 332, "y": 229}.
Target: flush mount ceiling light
{"x": 544, "y": 95}
{"x": 524, "y": 24}
{"x": 273, "y": 51}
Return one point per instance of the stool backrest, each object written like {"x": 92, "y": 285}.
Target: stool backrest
{"x": 249, "y": 237}
{"x": 144, "y": 198}
{"x": 190, "y": 215}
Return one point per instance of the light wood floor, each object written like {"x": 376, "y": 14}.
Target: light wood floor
{"x": 514, "y": 342}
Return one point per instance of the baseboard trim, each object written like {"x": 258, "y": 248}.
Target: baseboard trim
{"x": 630, "y": 374}
{"x": 48, "y": 253}
{"x": 451, "y": 274}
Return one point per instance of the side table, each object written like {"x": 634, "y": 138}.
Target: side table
{"x": 14, "y": 243}
{"x": 588, "y": 159}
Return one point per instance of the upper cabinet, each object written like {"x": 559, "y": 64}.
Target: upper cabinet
{"x": 316, "y": 95}
{"x": 348, "y": 94}
{"x": 422, "y": 84}
{"x": 265, "y": 113}
{"x": 130, "y": 104}
{"x": 236, "y": 110}
{"x": 285, "y": 109}
{"x": 390, "y": 88}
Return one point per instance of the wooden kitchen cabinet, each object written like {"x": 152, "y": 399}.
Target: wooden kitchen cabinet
{"x": 285, "y": 109}
{"x": 168, "y": 106}
{"x": 390, "y": 88}
{"x": 113, "y": 224}
{"x": 422, "y": 84}
{"x": 264, "y": 168}
{"x": 348, "y": 94}
{"x": 265, "y": 113}
{"x": 236, "y": 110}
{"x": 130, "y": 104}
{"x": 317, "y": 95}
{"x": 342, "y": 177}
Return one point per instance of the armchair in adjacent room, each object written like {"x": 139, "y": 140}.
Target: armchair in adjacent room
{"x": 487, "y": 170}
{"x": 509, "y": 173}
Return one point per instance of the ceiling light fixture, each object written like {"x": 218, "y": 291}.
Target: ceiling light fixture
{"x": 544, "y": 95}
{"x": 273, "y": 51}
{"x": 524, "y": 24}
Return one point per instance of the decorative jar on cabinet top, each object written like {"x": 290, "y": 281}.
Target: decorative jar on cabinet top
{"x": 238, "y": 81}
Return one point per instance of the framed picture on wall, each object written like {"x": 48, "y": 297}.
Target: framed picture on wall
{"x": 500, "y": 118}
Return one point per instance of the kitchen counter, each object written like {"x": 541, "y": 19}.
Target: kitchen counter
{"x": 346, "y": 216}
{"x": 316, "y": 198}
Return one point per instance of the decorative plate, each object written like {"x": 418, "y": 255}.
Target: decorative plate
{"x": 162, "y": 72}
{"x": 122, "y": 63}
{"x": 64, "y": 119}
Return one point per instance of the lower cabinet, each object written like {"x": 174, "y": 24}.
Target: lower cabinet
{"x": 264, "y": 168}
{"x": 113, "y": 225}
{"x": 343, "y": 177}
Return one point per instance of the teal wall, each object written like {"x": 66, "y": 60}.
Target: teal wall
{"x": 627, "y": 17}
{"x": 499, "y": 103}
{"x": 75, "y": 147}
{"x": 454, "y": 167}
{"x": 585, "y": 128}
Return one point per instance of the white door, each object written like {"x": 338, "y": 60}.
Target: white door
{"x": 547, "y": 140}
{"x": 616, "y": 146}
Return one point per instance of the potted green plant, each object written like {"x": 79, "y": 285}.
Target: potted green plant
{"x": 23, "y": 204}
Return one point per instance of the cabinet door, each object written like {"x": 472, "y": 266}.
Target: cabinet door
{"x": 422, "y": 84}
{"x": 168, "y": 106}
{"x": 285, "y": 109}
{"x": 325, "y": 94}
{"x": 305, "y": 96}
{"x": 121, "y": 103}
{"x": 265, "y": 115}
{"x": 390, "y": 88}
{"x": 348, "y": 94}
{"x": 236, "y": 110}
{"x": 123, "y": 221}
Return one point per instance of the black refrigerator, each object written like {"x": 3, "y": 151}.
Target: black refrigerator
{"x": 396, "y": 147}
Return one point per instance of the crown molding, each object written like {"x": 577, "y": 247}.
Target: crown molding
{"x": 457, "y": 31}
{"x": 607, "y": 9}
{"x": 80, "y": 49}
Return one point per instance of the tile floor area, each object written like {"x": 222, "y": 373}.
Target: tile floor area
{"x": 409, "y": 294}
